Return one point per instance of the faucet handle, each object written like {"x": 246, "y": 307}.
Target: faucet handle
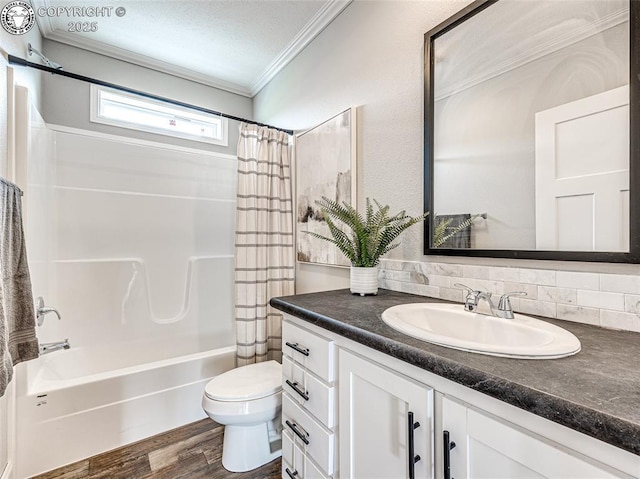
{"x": 42, "y": 310}
{"x": 505, "y": 303}
{"x": 465, "y": 287}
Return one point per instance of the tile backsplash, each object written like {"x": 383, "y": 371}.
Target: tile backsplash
{"x": 602, "y": 299}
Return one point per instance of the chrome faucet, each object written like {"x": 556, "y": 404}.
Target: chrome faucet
{"x": 46, "y": 348}
{"x": 473, "y": 298}
{"x": 42, "y": 310}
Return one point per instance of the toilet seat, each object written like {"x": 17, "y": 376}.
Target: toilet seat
{"x": 247, "y": 383}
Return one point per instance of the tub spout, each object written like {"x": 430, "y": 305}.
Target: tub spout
{"x": 56, "y": 346}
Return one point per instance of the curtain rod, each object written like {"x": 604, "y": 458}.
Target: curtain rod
{"x": 13, "y": 60}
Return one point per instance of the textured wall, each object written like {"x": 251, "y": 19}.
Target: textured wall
{"x": 66, "y": 101}
{"x": 371, "y": 57}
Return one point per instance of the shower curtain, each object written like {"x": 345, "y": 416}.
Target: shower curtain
{"x": 264, "y": 252}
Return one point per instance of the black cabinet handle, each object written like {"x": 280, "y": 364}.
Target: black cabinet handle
{"x": 296, "y": 431}
{"x": 295, "y": 387}
{"x": 293, "y": 474}
{"x": 295, "y": 346}
{"x": 447, "y": 446}
{"x": 413, "y": 458}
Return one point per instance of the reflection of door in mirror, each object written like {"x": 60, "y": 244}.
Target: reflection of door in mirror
{"x": 582, "y": 174}
{"x": 491, "y": 74}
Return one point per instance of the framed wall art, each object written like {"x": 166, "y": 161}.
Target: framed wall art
{"x": 325, "y": 166}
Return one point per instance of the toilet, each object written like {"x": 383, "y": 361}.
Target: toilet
{"x": 248, "y": 402}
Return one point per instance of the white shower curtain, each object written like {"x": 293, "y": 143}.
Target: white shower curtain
{"x": 264, "y": 253}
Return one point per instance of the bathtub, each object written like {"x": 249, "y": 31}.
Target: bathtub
{"x": 80, "y": 402}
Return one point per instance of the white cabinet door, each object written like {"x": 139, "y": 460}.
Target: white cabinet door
{"x": 375, "y": 436}
{"x": 486, "y": 448}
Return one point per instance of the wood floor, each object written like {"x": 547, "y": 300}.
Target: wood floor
{"x": 190, "y": 452}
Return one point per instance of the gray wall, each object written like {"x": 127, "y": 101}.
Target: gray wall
{"x": 371, "y": 57}
{"x": 66, "y": 101}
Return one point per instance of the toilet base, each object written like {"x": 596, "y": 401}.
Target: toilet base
{"x": 249, "y": 447}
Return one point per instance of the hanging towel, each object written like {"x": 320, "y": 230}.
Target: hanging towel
{"x": 460, "y": 239}
{"x": 18, "y": 340}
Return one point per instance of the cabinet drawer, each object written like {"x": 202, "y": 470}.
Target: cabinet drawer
{"x": 320, "y": 441}
{"x": 312, "y": 351}
{"x": 309, "y": 392}
{"x": 295, "y": 464}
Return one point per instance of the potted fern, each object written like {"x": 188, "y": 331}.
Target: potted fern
{"x": 365, "y": 239}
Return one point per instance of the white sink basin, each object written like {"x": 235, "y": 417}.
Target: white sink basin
{"x": 451, "y": 326}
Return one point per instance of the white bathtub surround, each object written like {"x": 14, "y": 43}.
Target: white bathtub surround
{"x": 139, "y": 262}
{"x": 607, "y": 300}
{"x": 264, "y": 250}
{"x": 364, "y": 280}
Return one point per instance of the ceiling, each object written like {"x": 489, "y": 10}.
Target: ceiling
{"x": 235, "y": 45}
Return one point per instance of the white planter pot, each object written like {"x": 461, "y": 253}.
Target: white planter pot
{"x": 364, "y": 280}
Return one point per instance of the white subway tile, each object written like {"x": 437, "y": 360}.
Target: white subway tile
{"x": 578, "y": 280}
{"x": 620, "y": 283}
{"x": 479, "y": 272}
{"x": 602, "y": 300}
{"x": 530, "y": 289}
{"x": 632, "y": 303}
{"x": 618, "y": 320}
{"x": 494, "y": 287}
{"x": 558, "y": 295}
{"x": 445, "y": 269}
{"x": 451, "y": 294}
{"x": 505, "y": 274}
{"x": 578, "y": 314}
{"x": 440, "y": 281}
{"x": 393, "y": 264}
{"x": 539, "y": 308}
{"x": 421, "y": 268}
{"x": 542, "y": 277}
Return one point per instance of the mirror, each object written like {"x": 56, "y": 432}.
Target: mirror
{"x": 528, "y": 152}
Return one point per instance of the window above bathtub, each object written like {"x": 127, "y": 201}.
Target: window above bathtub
{"x": 136, "y": 112}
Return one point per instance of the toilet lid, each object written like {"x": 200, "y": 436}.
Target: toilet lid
{"x": 253, "y": 381}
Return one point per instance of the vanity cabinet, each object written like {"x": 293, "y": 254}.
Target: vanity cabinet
{"x": 488, "y": 447}
{"x": 361, "y": 422}
{"x": 386, "y": 422}
{"x": 308, "y": 404}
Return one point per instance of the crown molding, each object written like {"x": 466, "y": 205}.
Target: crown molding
{"x": 543, "y": 49}
{"x": 147, "y": 62}
{"x": 48, "y": 31}
{"x": 329, "y": 11}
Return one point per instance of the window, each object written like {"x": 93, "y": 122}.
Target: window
{"x": 127, "y": 110}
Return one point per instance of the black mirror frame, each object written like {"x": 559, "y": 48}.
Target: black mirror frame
{"x": 633, "y": 256}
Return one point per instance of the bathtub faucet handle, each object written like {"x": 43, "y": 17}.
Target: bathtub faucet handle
{"x": 42, "y": 310}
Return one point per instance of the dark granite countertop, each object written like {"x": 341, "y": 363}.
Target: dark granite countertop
{"x": 596, "y": 392}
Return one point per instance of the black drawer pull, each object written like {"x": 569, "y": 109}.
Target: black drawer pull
{"x": 295, "y": 346}
{"x": 296, "y": 431}
{"x": 293, "y": 474}
{"x": 295, "y": 387}
{"x": 447, "y": 445}
{"x": 413, "y": 458}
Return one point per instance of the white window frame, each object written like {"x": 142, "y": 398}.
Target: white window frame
{"x": 157, "y": 106}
